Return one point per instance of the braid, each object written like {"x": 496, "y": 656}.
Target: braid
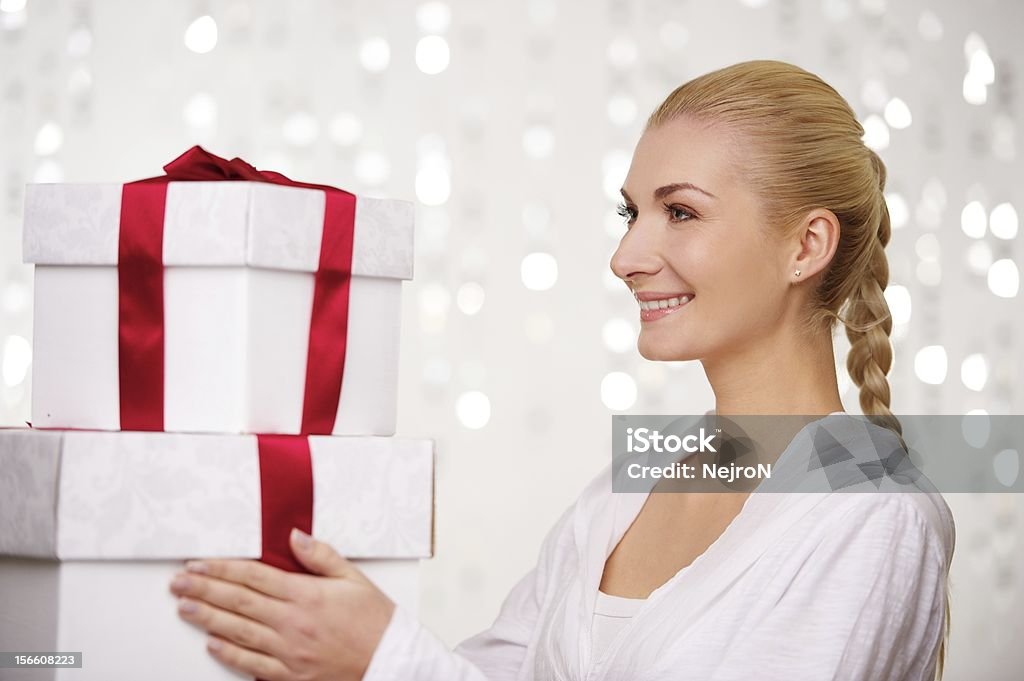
{"x": 869, "y": 323}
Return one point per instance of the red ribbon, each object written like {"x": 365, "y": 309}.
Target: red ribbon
{"x": 140, "y": 286}
{"x": 286, "y": 482}
{"x": 286, "y": 491}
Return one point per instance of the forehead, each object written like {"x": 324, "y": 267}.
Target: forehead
{"x": 684, "y": 150}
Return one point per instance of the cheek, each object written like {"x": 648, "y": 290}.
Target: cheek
{"x": 739, "y": 285}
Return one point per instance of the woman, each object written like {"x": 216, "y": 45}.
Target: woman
{"x": 754, "y": 208}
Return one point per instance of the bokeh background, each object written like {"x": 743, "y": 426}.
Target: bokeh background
{"x": 511, "y": 125}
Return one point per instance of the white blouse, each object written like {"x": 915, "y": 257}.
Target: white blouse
{"x": 806, "y": 585}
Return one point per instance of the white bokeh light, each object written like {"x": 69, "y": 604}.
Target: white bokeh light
{"x": 375, "y": 54}
{"x": 898, "y": 299}
{"x": 1003, "y": 221}
{"x": 80, "y": 42}
{"x": 473, "y": 409}
{"x": 48, "y": 171}
{"x": 874, "y": 94}
{"x": 618, "y": 391}
{"x": 470, "y": 298}
{"x": 433, "y": 184}
{"x": 372, "y": 167}
{"x": 933, "y": 202}
{"x": 79, "y": 80}
{"x": 539, "y": 271}
{"x": 622, "y": 52}
{"x": 981, "y": 67}
{"x": 437, "y": 371}
{"x": 15, "y": 297}
{"x": 836, "y": 11}
{"x": 538, "y": 141}
{"x": 201, "y": 35}
{"x": 432, "y": 54}
{"x": 300, "y": 129}
{"x": 929, "y": 272}
{"x": 979, "y": 257}
{"x": 615, "y": 165}
{"x": 973, "y": 220}
{"x": 433, "y": 17}
{"x": 49, "y": 139}
{"x": 434, "y": 302}
{"x": 17, "y": 356}
{"x": 1004, "y": 278}
{"x": 618, "y": 335}
{"x": 12, "y": 6}
{"x": 899, "y": 212}
{"x": 897, "y": 114}
{"x": 622, "y": 109}
{"x": 611, "y": 281}
{"x": 927, "y": 247}
{"x": 345, "y": 129}
{"x": 974, "y": 372}
{"x": 876, "y": 132}
{"x": 930, "y": 364}
{"x": 974, "y": 91}
{"x": 980, "y": 70}
{"x": 673, "y": 35}
{"x": 200, "y": 110}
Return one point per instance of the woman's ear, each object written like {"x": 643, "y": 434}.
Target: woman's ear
{"x": 817, "y": 241}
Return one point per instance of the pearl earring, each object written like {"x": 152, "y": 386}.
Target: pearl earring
{"x": 797, "y": 273}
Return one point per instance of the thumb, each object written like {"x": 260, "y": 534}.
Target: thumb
{"x": 318, "y": 557}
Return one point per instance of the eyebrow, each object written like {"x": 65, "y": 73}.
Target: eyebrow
{"x": 662, "y": 192}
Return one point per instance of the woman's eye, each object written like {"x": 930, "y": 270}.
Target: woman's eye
{"x": 678, "y": 213}
{"x": 626, "y": 213}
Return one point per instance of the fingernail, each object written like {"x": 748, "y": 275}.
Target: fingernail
{"x": 195, "y": 566}
{"x": 181, "y": 583}
{"x": 186, "y": 606}
{"x": 301, "y": 538}
{"x": 214, "y": 644}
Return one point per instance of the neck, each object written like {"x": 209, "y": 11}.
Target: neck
{"x": 785, "y": 373}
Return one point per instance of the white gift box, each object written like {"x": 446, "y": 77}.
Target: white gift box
{"x": 93, "y": 525}
{"x": 239, "y": 260}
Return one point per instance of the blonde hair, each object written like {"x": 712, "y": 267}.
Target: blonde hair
{"x": 808, "y": 152}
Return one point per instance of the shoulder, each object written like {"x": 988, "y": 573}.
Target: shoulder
{"x": 918, "y": 523}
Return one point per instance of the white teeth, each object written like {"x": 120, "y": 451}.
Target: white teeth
{"x": 663, "y": 304}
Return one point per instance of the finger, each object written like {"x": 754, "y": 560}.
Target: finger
{"x": 318, "y": 557}
{"x": 239, "y": 630}
{"x": 249, "y": 662}
{"x": 230, "y": 596}
{"x": 253, "y": 574}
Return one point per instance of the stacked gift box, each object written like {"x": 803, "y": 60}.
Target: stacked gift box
{"x": 215, "y": 359}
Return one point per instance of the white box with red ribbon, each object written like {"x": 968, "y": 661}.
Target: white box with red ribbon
{"x": 220, "y": 305}
{"x": 93, "y": 525}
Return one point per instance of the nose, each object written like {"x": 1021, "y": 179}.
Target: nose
{"x": 636, "y": 257}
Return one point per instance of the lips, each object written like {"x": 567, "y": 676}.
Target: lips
{"x": 656, "y": 305}
{"x": 665, "y": 303}
{"x": 659, "y": 295}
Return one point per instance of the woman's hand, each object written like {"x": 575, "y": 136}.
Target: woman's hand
{"x": 285, "y": 626}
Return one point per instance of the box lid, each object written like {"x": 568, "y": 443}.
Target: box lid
{"x": 224, "y": 223}
{"x": 132, "y": 495}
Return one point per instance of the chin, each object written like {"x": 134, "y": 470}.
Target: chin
{"x": 665, "y": 352}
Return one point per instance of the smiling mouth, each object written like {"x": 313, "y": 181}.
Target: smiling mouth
{"x": 665, "y": 303}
